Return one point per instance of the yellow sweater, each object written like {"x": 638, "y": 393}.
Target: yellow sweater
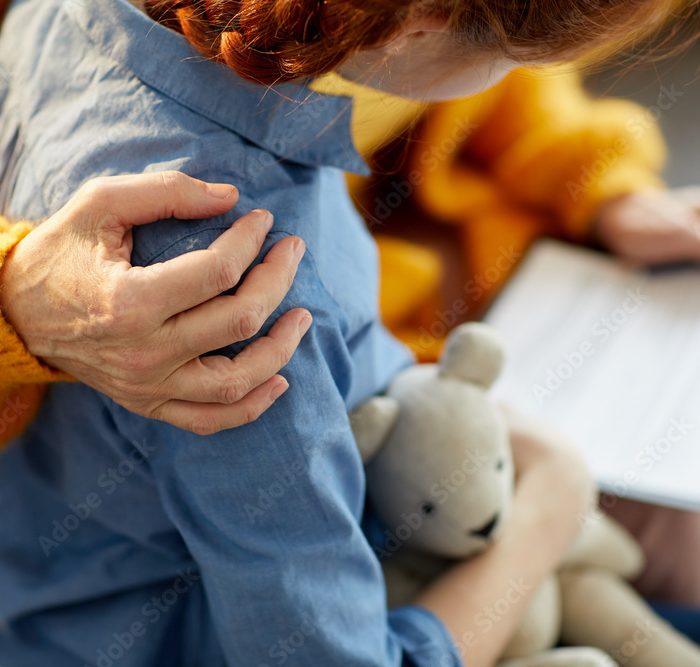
{"x": 22, "y": 376}
{"x": 541, "y": 145}
{"x": 533, "y": 156}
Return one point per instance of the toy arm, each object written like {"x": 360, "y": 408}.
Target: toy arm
{"x": 600, "y": 609}
{"x": 371, "y": 424}
{"x": 564, "y": 657}
{"x": 605, "y": 544}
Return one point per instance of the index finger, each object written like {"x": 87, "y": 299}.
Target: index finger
{"x": 194, "y": 278}
{"x": 140, "y": 199}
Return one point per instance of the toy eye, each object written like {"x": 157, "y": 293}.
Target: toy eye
{"x": 427, "y": 508}
{"x": 500, "y": 465}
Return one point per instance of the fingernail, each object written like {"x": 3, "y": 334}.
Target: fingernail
{"x": 266, "y": 217}
{"x": 279, "y": 389}
{"x": 222, "y": 190}
{"x": 298, "y": 248}
{"x": 305, "y": 323}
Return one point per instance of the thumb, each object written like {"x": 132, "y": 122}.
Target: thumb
{"x": 144, "y": 198}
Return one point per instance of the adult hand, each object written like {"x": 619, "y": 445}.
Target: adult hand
{"x": 653, "y": 227}
{"x": 137, "y": 333}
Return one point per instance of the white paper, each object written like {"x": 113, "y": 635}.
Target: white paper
{"x": 611, "y": 356}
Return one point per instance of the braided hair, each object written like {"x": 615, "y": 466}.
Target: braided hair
{"x": 272, "y": 41}
{"x": 269, "y": 41}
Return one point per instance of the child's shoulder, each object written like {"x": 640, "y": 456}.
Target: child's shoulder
{"x": 337, "y": 276}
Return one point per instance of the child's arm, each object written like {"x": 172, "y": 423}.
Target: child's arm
{"x": 270, "y": 514}
{"x": 483, "y": 600}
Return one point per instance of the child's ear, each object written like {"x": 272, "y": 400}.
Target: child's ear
{"x": 372, "y": 422}
{"x": 474, "y": 353}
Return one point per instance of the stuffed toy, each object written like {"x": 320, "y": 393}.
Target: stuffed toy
{"x": 440, "y": 478}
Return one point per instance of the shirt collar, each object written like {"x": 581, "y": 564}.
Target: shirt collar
{"x": 289, "y": 120}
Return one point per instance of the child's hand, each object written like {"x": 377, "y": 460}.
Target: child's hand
{"x": 653, "y": 227}
{"x": 552, "y": 493}
{"x": 554, "y": 489}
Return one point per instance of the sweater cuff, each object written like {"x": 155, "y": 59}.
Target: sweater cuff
{"x": 18, "y": 407}
{"x": 579, "y": 208}
{"x": 17, "y": 364}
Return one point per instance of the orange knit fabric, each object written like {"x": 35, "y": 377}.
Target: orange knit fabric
{"x": 22, "y": 376}
{"x": 533, "y": 156}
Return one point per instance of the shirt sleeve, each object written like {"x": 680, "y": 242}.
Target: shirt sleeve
{"x": 271, "y": 514}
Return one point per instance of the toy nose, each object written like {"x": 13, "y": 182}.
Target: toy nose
{"x": 487, "y": 529}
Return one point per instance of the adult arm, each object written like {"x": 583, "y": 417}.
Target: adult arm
{"x": 654, "y": 226}
{"x": 555, "y": 148}
{"x": 594, "y": 164}
{"x": 71, "y": 301}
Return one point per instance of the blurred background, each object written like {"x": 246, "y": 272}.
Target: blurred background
{"x": 670, "y": 88}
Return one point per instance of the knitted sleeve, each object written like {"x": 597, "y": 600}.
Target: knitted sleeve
{"x": 17, "y": 365}
{"x": 552, "y": 147}
{"x": 22, "y": 376}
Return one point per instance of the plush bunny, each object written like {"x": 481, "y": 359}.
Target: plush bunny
{"x": 440, "y": 478}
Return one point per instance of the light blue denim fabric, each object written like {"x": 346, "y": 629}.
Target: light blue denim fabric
{"x": 127, "y": 542}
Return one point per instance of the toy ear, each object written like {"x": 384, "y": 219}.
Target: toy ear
{"x": 474, "y": 353}
{"x": 372, "y": 422}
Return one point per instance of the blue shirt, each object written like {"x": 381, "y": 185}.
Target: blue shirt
{"x": 129, "y": 542}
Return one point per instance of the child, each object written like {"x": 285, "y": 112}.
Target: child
{"x": 129, "y": 542}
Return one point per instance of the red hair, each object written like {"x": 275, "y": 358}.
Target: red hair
{"x": 269, "y": 41}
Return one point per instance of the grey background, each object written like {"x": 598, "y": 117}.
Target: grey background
{"x": 645, "y": 83}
